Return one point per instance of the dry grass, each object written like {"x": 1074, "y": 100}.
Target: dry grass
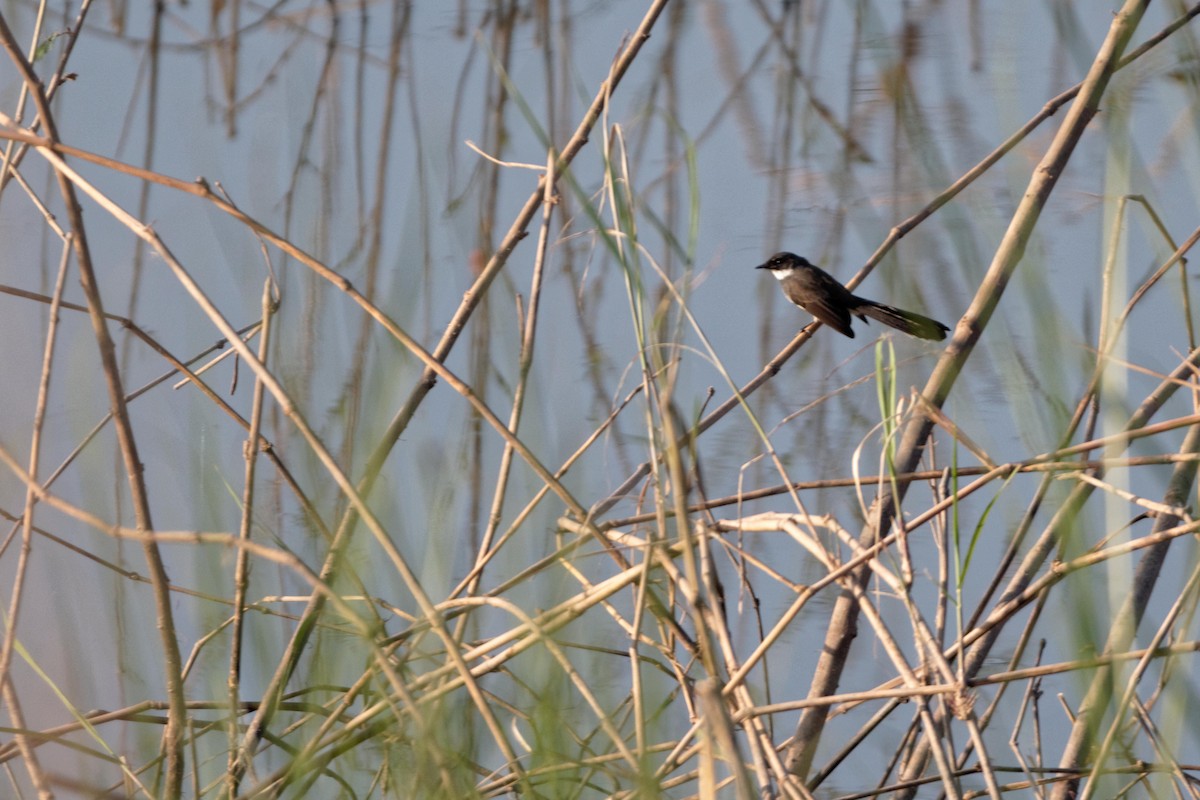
{"x": 397, "y": 599}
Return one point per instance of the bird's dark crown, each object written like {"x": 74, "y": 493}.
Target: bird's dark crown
{"x": 784, "y": 260}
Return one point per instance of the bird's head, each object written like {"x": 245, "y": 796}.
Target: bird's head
{"x": 784, "y": 264}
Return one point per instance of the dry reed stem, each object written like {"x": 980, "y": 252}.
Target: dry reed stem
{"x": 173, "y": 736}
{"x": 691, "y": 588}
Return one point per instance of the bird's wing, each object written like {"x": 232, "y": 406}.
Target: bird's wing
{"x": 833, "y": 315}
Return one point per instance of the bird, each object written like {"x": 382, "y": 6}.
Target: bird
{"x": 820, "y": 294}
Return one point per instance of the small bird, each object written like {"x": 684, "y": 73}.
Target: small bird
{"x": 819, "y": 293}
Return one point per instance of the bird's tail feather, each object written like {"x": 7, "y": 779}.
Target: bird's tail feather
{"x": 904, "y": 321}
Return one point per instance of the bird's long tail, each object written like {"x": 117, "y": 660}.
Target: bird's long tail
{"x": 904, "y": 321}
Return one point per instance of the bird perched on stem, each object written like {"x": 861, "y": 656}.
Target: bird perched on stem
{"x": 820, "y": 294}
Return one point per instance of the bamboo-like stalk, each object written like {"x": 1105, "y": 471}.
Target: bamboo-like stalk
{"x": 842, "y": 624}
{"x": 1099, "y": 698}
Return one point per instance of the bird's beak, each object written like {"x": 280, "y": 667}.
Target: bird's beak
{"x": 762, "y": 266}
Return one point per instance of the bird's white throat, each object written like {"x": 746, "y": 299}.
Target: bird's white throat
{"x": 782, "y": 274}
